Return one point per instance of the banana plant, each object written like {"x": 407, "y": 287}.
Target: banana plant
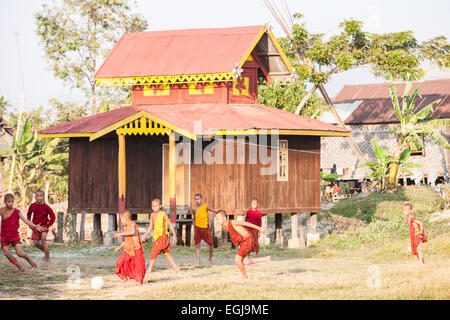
{"x": 414, "y": 126}
{"x": 35, "y": 159}
{"x": 385, "y": 160}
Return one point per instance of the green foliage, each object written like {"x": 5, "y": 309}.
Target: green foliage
{"x": 381, "y": 168}
{"x": 395, "y": 55}
{"x": 288, "y": 96}
{"x": 329, "y": 177}
{"x": 4, "y": 104}
{"x": 77, "y": 36}
{"x": 35, "y": 161}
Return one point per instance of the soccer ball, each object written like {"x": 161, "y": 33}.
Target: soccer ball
{"x": 97, "y": 283}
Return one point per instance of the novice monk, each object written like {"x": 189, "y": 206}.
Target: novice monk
{"x": 44, "y": 216}
{"x": 131, "y": 263}
{"x": 202, "y": 231}
{"x": 254, "y": 216}
{"x": 416, "y": 233}
{"x": 10, "y": 232}
{"x": 240, "y": 236}
{"x": 161, "y": 237}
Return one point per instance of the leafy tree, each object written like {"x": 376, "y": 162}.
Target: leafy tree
{"x": 414, "y": 126}
{"x": 395, "y": 55}
{"x": 77, "y": 36}
{"x": 385, "y": 160}
{"x": 4, "y": 104}
{"x": 287, "y": 96}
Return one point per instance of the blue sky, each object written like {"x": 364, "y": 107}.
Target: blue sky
{"x": 426, "y": 19}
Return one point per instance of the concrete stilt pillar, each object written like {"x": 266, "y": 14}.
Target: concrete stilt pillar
{"x": 97, "y": 234}
{"x": 60, "y": 223}
{"x": 312, "y": 236}
{"x": 264, "y": 240}
{"x": 279, "y": 240}
{"x": 112, "y": 227}
{"x": 294, "y": 242}
{"x": 83, "y": 219}
{"x": 74, "y": 232}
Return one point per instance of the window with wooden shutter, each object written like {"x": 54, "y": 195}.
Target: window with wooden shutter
{"x": 282, "y": 160}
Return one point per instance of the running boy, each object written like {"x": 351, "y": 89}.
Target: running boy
{"x": 202, "y": 231}
{"x": 161, "y": 237}
{"x": 254, "y": 216}
{"x": 131, "y": 263}
{"x": 44, "y": 216}
{"x": 416, "y": 232}
{"x": 10, "y": 232}
{"x": 240, "y": 236}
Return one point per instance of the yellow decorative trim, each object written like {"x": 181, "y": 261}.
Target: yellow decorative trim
{"x": 142, "y": 126}
{"x": 157, "y": 90}
{"x": 174, "y": 79}
{"x": 280, "y": 50}
{"x": 137, "y": 116}
{"x": 243, "y": 91}
{"x": 63, "y": 135}
{"x": 280, "y": 132}
{"x": 206, "y": 89}
{"x": 255, "y": 42}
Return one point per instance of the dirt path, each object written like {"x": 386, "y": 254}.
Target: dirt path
{"x": 352, "y": 275}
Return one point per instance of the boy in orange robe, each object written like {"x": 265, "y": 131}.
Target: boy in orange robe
{"x": 416, "y": 233}
{"x": 202, "y": 231}
{"x": 240, "y": 236}
{"x": 131, "y": 263}
{"x": 9, "y": 233}
{"x": 161, "y": 238}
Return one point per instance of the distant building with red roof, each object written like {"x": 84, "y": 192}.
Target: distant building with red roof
{"x": 195, "y": 126}
{"x": 370, "y": 114}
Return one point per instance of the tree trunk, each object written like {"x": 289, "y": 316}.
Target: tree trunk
{"x": 393, "y": 171}
{"x": 305, "y": 99}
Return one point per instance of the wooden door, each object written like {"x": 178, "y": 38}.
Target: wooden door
{"x": 182, "y": 178}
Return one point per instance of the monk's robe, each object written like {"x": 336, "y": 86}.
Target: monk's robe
{"x": 245, "y": 243}
{"x": 42, "y": 215}
{"x": 10, "y": 230}
{"x": 202, "y": 231}
{"x": 131, "y": 262}
{"x": 254, "y": 216}
{"x": 416, "y": 235}
{"x": 161, "y": 237}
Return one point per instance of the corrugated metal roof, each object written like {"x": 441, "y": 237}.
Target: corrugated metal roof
{"x": 212, "y": 116}
{"x": 175, "y": 52}
{"x": 376, "y": 105}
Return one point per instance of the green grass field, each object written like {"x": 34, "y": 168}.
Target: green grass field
{"x": 371, "y": 262}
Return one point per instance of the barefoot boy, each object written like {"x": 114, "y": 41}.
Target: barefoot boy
{"x": 44, "y": 216}
{"x": 161, "y": 237}
{"x": 202, "y": 231}
{"x": 10, "y": 232}
{"x": 416, "y": 233}
{"x": 240, "y": 236}
{"x": 131, "y": 263}
{"x": 254, "y": 216}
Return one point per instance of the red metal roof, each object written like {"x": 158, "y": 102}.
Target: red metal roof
{"x": 212, "y": 116}
{"x": 376, "y": 105}
{"x": 176, "y": 52}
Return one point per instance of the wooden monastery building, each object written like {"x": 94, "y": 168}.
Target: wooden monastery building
{"x": 194, "y": 126}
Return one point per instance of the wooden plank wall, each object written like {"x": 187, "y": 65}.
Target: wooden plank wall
{"x": 93, "y": 174}
{"x": 232, "y": 186}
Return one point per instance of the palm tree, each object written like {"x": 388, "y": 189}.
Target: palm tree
{"x": 414, "y": 126}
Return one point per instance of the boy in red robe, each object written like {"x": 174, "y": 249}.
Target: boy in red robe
{"x": 9, "y": 233}
{"x": 240, "y": 236}
{"x": 131, "y": 263}
{"x": 416, "y": 233}
{"x": 44, "y": 216}
{"x": 254, "y": 216}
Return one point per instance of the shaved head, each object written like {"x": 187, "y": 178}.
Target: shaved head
{"x": 8, "y": 196}
{"x": 156, "y": 201}
{"x": 126, "y": 214}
